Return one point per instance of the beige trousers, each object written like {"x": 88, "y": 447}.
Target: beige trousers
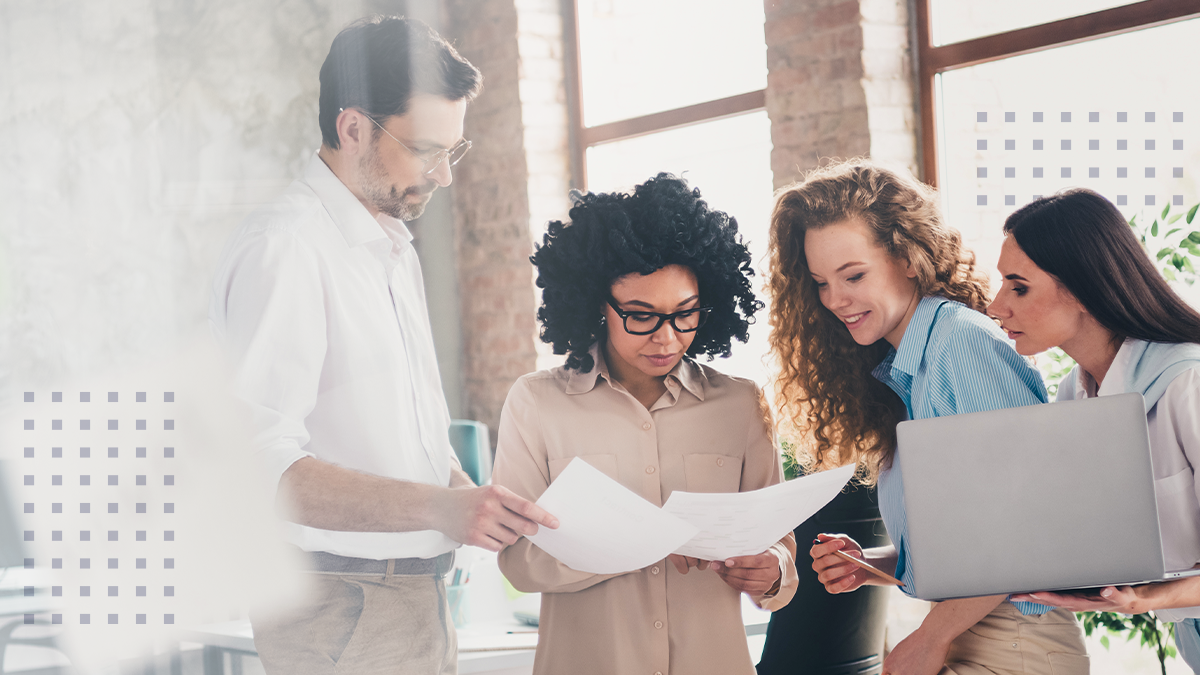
{"x": 1006, "y": 641}
{"x": 363, "y": 624}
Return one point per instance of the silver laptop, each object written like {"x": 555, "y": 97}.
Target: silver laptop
{"x": 1044, "y": 497}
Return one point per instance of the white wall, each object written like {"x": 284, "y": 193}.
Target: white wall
{"x": 135, "y": 134}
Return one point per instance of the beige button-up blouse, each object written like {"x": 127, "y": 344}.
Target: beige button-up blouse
{"x": 707, "y": 433}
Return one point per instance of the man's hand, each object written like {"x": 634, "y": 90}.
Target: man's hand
{"x": 752, "y": 574}
{"x": 918, "y": 654}
{"x": 683, "y": 563}
{"x": 490, "y": 517}
{"x": 1123, "y": 599}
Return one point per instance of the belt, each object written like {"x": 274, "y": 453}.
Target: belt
{"x": 321, "y": 561}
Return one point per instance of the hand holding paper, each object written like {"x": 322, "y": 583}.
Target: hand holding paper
{"x": 733, "y": 524}
{"x": 604, "y": 528}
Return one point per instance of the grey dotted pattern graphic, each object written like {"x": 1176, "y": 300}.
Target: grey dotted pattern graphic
{"x": 115, "y": 490}
{"x": 1145, "y": 126}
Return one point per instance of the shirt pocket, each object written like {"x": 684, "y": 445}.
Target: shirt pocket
{"x": 606, "y": 463}
{"x": 712, "y": 473}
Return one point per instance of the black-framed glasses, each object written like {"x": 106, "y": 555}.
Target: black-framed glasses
{"x": 434, "y": 160}
{"x": 645, "y": 323}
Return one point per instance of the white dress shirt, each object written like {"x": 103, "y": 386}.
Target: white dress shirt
{"x": 1174, "y": 425}
{"x": 322, "y": 309}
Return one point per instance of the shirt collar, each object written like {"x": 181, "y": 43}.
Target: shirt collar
{"x": 349, "y": 215}
{"x": 907, "y": 359}
{"x": 686, "y": 374}
{"x": 1114, "y": 379}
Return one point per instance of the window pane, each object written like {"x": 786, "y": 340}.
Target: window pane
{"x": 641, "y": 57}
{"x": 958, "y": 20}
{"x": 730, "y": 162}
{"x": 1124, "y": 126}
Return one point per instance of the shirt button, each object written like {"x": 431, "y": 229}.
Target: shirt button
{"x": 658, "y": 624}
{"x": 720, "y": 462}
{"x": 646, "y": 426}
{"x": 649, "y": 469}
{"x": 654, "y": 570}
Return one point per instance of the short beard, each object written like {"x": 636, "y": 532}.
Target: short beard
{"x": 384, "y": 196}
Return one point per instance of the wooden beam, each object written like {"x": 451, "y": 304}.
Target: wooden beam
{"x": 1105, "y": 23}
{"x": 573, "y": 76}
{"x": 925, "y": 95}
{"x": 673, "y": 119}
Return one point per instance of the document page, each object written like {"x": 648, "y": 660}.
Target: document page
{"x": 733, "y": 524}
{"x": 604, "y": 528}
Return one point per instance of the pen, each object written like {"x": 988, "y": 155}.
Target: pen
{"x": 868, "y": 567}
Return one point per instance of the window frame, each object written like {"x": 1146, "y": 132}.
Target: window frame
{"x": 581, "y": 137}
{"x": 932, "y": 61}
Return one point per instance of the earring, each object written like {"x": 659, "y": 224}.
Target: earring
{"x": 603, "y": 320}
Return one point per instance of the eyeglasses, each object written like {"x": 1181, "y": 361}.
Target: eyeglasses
{"x": 433, "y": 161}
{"x": 646, "y": 323}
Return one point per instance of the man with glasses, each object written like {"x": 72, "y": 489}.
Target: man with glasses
{"x": 319, "y": 300}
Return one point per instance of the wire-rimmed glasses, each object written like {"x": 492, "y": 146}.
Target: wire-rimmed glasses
{"x": 434, "y": 160}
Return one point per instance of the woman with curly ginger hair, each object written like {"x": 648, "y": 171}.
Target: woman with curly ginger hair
{"x": 877, "y": 316}
{"x": 633, "y": 288}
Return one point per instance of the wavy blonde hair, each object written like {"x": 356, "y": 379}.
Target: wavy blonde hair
{"x": 834, "y": 408}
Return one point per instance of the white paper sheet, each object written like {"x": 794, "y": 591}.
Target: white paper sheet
{"x": 733, "y": 524}
{"x": 604, "y": 528}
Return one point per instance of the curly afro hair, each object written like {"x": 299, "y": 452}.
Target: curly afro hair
{"x": 613, "y": 234}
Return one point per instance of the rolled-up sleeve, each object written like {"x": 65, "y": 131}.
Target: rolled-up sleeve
{"x": 268, "y": 312}
{"x": 521, "y": 466}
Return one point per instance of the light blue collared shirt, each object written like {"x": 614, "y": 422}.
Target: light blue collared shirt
{"x": 951, "y": 360}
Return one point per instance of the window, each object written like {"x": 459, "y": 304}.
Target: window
{"x": 1094, "y": 100}
{"x": 662, "y": 86}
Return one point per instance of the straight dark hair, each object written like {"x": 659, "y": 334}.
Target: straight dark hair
{"x": 1081, "y": 239}
{"x": 377, "y": 63}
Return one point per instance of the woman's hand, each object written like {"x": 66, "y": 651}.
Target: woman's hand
{"x": 752, "y": 574}
{"x": 921, "y": 653}
{"x": 837, "y": 575}
{"x": 1123, "y": 599}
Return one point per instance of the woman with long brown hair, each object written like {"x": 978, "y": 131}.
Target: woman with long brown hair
{"x": 877, "y": 316}
{"x": 1076, "y": 277}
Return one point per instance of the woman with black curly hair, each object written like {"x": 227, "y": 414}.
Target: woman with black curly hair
{"x": 633, "y": 288}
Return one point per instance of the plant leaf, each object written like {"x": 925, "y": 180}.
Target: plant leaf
{"x": 1175, "y": 217}
{"x": 1104, "y": 641}
{"x": 1165, "y": 209}
{"x": 1192, "y": 213}
{"x": 1154, "y": 229}
{"x": 1176, "y": 229}
{"x": 1164, "y": 253}
{"x": 1194, "y": 236}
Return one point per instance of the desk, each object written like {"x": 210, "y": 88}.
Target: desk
{"x": 236, "y": 639}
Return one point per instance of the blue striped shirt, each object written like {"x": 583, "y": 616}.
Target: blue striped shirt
{"x": 951, "y": 360}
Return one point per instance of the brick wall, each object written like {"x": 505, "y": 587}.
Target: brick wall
{"x": 514, "y": 180}
{"x": 544, "y": 115}
{"x": 838, "y": 83}
{"x": 491, "y": 209}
